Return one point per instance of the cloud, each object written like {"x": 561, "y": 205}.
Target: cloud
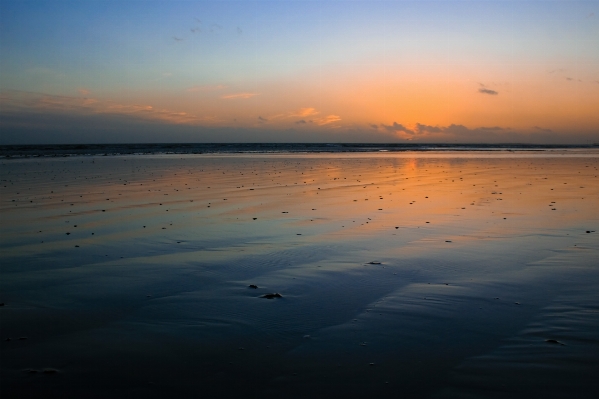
{"x": 214, "y": 27}
{"x": 424, "y": 132}
{"x": 570, "y": 79}
{"x": 178, "y": 39}
{"x": 300, "y": 122}
{"x": 302, "y": 113}
{"x": 239, "y": 31}
{"x": 262, "y": 119}
{"x": 202, "y": 88}
{"x": 396, "y": 127}
{"x": 487, "y": 91}
{"x": 83, "y": 91}
{"x": 38, "y": 118}
{"x": 18, "y": 101}
{"x": 327, "y": 120}
{"x": 428, "y": 128}
{"x": 542, "y": 129}
{"x": 239, "y": 96}
{"x": 305, "y": 112}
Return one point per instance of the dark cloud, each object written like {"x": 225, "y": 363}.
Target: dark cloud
{"x": 492, "y": 128}
{"x": 569, "y": 78}
{"x": 374, "y": 126}
{"x": 300, "y": 122}
{"x": 177, "y": 39}
{"x": 427, "y": 128}
{"x": 484, "y": 90}
{"x": 397, "y": 127}
{"x": 262, "y": 119}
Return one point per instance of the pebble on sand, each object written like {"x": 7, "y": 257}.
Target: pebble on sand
{"x": 50, "y": 371}
{"x": 271, "y": 296}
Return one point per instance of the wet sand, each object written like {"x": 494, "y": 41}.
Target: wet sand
{"x": 420, "y": 275}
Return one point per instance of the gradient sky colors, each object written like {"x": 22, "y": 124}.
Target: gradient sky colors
{"x": 318, "y": 71}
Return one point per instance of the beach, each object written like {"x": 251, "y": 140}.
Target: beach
{"x": 437, "y": 274}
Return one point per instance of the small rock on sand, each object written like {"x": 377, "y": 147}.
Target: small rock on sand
{"x": 50, "y": 371}
{"x": 271, "y": 296}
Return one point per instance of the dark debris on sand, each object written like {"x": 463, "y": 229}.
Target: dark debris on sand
{"x": 271, "y": 296}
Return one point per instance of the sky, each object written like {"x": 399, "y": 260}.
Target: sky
{"x": 470, "y": 71}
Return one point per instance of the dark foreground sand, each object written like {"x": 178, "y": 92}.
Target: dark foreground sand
{"x": 420, "y": 275}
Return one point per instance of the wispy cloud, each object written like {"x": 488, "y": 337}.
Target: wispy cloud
{"x": 239, "y": 96}
{"x": 303, "y": 112}
{"x": 215, "y": 27}
{"x": 327, "y": 120}
{"x": 301, "y": 122}
{"x": 19, "y": 101}
{"x": 487, "y": 91}
{"x": 300, "y": 113}
{"x": 83, "y": 91}
{"x": 262, "y": 119}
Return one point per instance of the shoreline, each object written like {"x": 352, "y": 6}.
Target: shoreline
{"x": 68, "y": 150}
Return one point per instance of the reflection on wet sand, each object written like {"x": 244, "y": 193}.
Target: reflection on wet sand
{"x": 423, "y": 275}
